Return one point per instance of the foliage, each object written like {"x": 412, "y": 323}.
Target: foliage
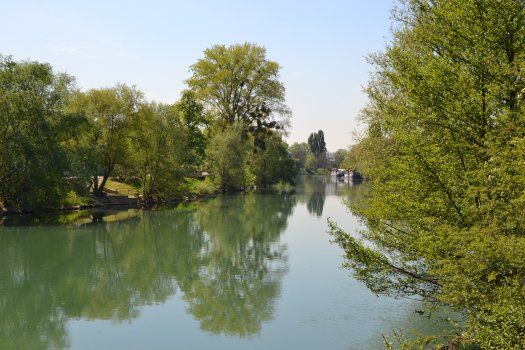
{"x": 299, "y": 152}
{"x": 73, "y": 199}
{"x": 33, "y": 163}
{"x": 313, "y": 156}
{"x": 194, "y": 120}
{"x": 202, "y": 188}
{"x": 317, "y": 143}
{"x": 227, "y": 155}
{"x": 274, "y": 163}
{"x": 310, "y": 162}
{"x": 241, "y": 91}
{"x": 310, "y": 165}
{"x": 370, "y": 149}
{"x": 159, "y": 151}
{"x": 339, "y": 158}
{"x": 444, "y": 151}
{"x": 239, "y": 84}
{"x": 58, "y": 142}
{"x": 111, "y": 112}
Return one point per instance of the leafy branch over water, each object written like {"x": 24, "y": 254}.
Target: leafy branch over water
{"x": 444, "y": 152}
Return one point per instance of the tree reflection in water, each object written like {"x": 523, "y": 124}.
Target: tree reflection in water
{"x": 236, "y": 287}
{"x": 223, "y": 255}
{"x": 314, "y": 193}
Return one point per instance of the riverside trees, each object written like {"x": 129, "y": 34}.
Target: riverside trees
{"x": 34, "y": 127}
{"x": 312, "y": 155}
{"x": 57, "y": 140}
{"x": 110, "y": 112}
{"x": 242, "y": 94}
{"x": 239, "y": 84}
{"x": 445, "y": 154}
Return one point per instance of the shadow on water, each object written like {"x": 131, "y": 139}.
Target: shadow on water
{"x": 222, "y": 256}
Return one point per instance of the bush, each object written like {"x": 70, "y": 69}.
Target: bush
{"x": 202, "y": 188}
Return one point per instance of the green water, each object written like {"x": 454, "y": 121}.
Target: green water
{"x": 252, "y": 271}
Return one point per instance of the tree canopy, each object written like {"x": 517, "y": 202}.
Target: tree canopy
{"x": 445, "y": 150}
{"x": 317, "y": 143}
{"x": 238, "y": 83}
{"x": 59, "y": 144}
{"x": 34, "y": 128}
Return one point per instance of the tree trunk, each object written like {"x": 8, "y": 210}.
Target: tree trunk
{"x": 103, "y": 183}
{"x": 96, "y": 190}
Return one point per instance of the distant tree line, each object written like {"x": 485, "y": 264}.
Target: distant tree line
{"x": 316, "y": 142}
{"x": 313, "y": 157}
{"x": 59, "y": 144}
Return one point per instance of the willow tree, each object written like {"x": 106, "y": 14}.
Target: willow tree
{"x": 239, "y": 84}
{"x": 158, "y": 151}
{"x": 33, "y": 163}
{"x": 227, "y": 156}
{"x": 111, "y": 112}
{"x": 195, "y": 122}
{"x": 446, "y": 156}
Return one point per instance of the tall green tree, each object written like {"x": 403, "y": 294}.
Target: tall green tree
{"x": 338, "y": 158}
{"x": 238, "y": 83}
{"x": 317, "y": 146}
{"x": 274, "y": 163}
{"x": 317, "y": 143}
{"x": 158, "y": 151}
{"x": 110, "y": 112}
{"x": 310, "y": 164}
{"x": 447, "y": 193}
{"x": 227, "y": 155}
{"x": 299, "y": 152}
{"x": 195, "y": 122}
{"x": 33, "y": 163}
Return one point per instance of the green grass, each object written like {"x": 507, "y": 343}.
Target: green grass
{"x": 73, "y": 199}
{"x": 321, "y": 171}
{"x": 122, "y": 189}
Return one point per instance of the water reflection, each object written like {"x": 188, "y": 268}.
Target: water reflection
{"x": 223, "y": 256}
{"x": 234, "y": 292}
{"x": 314, "y": 189}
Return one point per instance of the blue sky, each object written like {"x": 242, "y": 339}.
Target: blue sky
{"x": 321, "y": 45}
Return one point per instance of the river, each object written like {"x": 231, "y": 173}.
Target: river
{"x": 243, "y": 271}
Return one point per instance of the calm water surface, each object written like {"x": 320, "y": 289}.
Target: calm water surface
{"x": 253, "y": 271}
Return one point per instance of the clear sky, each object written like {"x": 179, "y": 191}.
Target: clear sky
{"x": 321, "y": 45}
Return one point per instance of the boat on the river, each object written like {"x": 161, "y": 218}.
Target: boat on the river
{"x": 350, "y": 174}
{"x": 355, "y": 176}
{"x": 338, "y": 172}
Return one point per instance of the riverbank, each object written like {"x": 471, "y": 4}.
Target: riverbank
{"x": 115, "y": 198}
{"x": 102, "y": 202}
{"x": 117, "y": 194}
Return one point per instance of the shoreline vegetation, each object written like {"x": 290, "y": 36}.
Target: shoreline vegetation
{"x": 118, "y": 199}
{"x": 443, "y": 152}
{"x": 63, "y": 148}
